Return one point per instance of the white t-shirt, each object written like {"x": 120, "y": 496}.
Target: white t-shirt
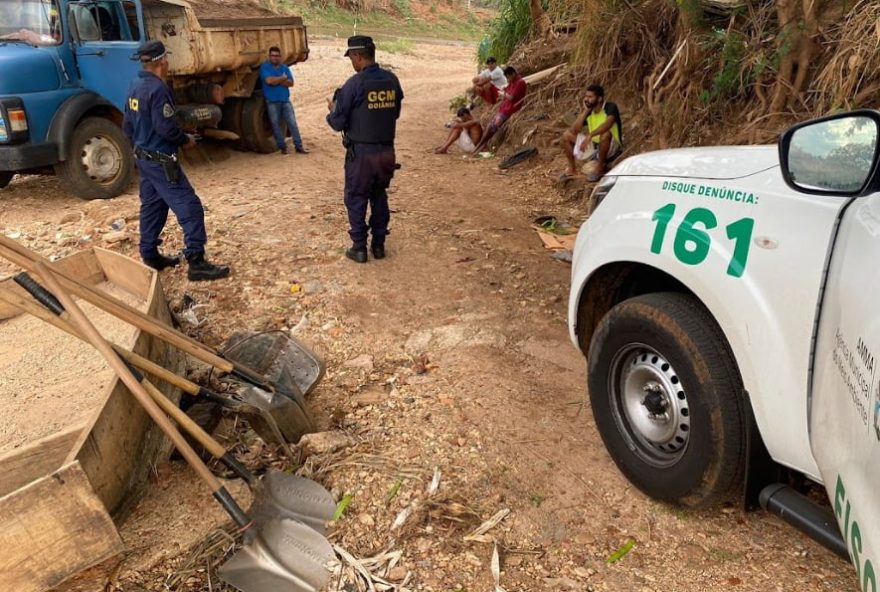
{"x": 497, "y": 77}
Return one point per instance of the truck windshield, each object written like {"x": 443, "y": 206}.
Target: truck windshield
{"x": 33, "y": 21}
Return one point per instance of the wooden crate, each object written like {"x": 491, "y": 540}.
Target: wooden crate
{"x": 61, "y": 497}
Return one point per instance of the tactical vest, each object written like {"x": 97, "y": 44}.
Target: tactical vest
{"x": 374, "y": 121}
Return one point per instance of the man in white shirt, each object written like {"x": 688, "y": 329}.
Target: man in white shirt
{"x": 490, "y": 82}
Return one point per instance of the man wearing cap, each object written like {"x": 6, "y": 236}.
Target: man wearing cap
{"x": 366, "y": 110}
{"x": 150, "y": 123}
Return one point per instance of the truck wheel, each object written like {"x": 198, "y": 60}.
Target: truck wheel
{"x": 231, "y": 120}
{"x": 667, "y": 399}
{"x": 5, "y": 179}
{"x": 99, "y": 161}
{"x": 255, "y": 125}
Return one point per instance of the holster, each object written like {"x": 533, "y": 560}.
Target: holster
{"x": 171, "y": 168}
{"x": 170, "y": 165}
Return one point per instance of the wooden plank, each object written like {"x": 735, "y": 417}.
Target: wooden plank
{"x": 121, "y": 444}
{"x": 36, "y": 460}
{"x": 52, "y": 529}
{"x": 126, "y": 273}
{"x": 83, "y": 264}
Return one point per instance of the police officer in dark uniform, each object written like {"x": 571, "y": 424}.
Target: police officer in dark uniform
{"x": 366, "y": 111}
{"x": 151, "y": 125}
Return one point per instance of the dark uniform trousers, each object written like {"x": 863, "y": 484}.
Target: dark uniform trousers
{"x": 158, "y": 195}
{"x": 368, "y": 172}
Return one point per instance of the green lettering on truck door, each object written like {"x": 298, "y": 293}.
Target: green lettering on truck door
{"x": 852, "y": 534}
{"x": 692, "y": 244}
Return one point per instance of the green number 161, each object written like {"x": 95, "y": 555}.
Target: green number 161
{"x": 692, "y": 241}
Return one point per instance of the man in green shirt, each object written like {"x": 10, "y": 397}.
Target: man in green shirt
{"x": 595, "y": 134}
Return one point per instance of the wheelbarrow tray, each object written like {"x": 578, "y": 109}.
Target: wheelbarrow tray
{"x": 62, "y": 496}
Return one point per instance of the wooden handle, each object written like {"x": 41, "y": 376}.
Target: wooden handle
{"x": 148, "y": 366}
{"x": 213, "y": 447}
{"x": 28, "y": 259}
{"x": 94, "y": 337}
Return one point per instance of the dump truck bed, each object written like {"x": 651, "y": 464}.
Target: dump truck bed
{"x": 214, "y": 45}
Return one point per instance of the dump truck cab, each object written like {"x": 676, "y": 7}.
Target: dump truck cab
{"x": 65, "y": 68}
{"x": 61, "y": 95}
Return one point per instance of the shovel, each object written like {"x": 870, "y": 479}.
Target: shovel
{"x": 278, "y": 494}
{"x": 29, "y": 260}
{"x": 274, "y": 418}
{"x": 278, "y": 553}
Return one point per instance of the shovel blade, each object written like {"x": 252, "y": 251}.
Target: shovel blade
{"x": 280, "y": 495}
{"x": 285, "y": 361}
{"x": 290, "y": 416}
{"x": 280, "y": 555}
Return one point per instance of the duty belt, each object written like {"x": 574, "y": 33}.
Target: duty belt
{"x": 160, "y": 157}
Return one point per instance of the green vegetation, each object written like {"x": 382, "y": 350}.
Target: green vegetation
{"x": 399, "y": 46}
{"x": 456, "y": 103}
{"x": 403, "y": 8}
{"x": 507, "y": 30}
{"x": 329, "y": 19}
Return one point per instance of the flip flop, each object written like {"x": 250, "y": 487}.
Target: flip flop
{"x": 518, "y": 157}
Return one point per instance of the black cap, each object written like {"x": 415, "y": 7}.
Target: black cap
{"x": 150, "y": 51}
{"x": 359, "y": 42}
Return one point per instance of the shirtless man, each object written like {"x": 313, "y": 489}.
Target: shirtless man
{"x": 466, "y": 130}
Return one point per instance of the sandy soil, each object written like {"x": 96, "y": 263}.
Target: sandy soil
{"x": 452, "y": 353}
{"x": 50, "y": 381}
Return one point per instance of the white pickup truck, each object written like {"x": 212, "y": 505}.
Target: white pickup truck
{"x": 723, "y": 298}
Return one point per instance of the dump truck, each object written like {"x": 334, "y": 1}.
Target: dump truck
{"x": 724, "y": 298}
{"x": 65, "y": 67}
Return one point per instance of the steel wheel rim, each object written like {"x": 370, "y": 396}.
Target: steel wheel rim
{"x": 649, "y": 405}
{"x": 101, "y": 159}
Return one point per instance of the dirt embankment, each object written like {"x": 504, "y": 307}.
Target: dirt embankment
{"x": 452, "y": 354}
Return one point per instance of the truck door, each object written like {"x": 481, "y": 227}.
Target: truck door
{"x": 845, "y": 397}
{"x": 106, "y": 34}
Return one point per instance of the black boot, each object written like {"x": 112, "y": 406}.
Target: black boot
{"x": 378, "y": 250}
{"x": 160, "y": 262}
{"x": 358, "y": 255}
{"x": 201, "y": 270}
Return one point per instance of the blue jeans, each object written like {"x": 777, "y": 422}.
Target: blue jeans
{"x": 279, "y": 112}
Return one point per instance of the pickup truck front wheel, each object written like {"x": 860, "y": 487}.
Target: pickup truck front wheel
{"x": 99, "y": 161}
{"x": 667, "y": 399}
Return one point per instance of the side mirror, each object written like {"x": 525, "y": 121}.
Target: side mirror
{"x": 835, "y": 155}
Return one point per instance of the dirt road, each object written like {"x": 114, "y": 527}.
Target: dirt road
{"x": 451, "y": 354}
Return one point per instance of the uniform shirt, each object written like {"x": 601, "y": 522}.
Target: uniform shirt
{"x": 513, "y": 97}
{"x": 351, "y": 95}
{"x": 278, "y": 93}
{"x": 596, "y": 119}
{"x": 496, "y": 76}
{"x": 150, "y": 122}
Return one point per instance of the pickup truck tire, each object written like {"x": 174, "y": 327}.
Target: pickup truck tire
{"x": 5, "y": 179}
{"x": 667, "y": 399}
{"x": 99, "y": 162}
{"x": 255, "y": 125}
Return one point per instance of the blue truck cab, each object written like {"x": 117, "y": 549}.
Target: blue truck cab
{"x": 64, "y": 70}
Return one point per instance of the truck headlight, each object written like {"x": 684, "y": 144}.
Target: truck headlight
{"x": 601, "y": 190}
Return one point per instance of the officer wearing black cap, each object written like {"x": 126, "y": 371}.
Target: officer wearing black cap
{"x": 151, "y": 125}
{"x": 366, "y": 109}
